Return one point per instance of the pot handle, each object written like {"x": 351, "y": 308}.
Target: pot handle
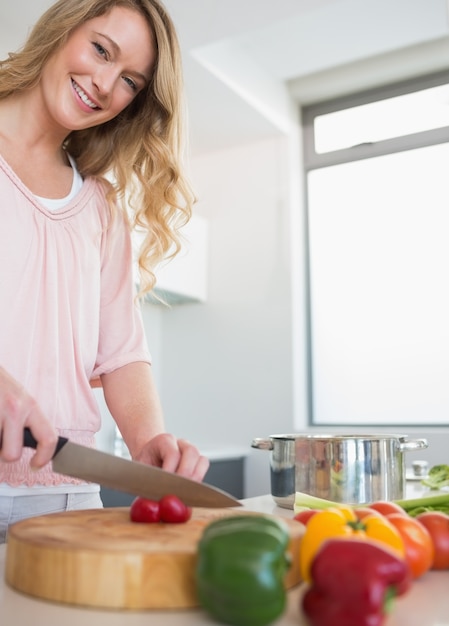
{"x": 262, "y": 444}
{"x": 408, "y": 445}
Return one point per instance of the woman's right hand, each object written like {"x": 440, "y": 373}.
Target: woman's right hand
{"x": 17, "y": 410}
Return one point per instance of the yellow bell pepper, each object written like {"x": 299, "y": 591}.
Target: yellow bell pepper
{"x": 342, "y": 522}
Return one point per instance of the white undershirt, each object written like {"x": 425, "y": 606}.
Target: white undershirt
{"x": 24, "y": 490}
{"x": 59, "y": 203}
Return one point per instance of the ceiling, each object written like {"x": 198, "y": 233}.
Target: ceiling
{"x": 240, "y": 56}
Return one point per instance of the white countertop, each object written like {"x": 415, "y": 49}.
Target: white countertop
{"x": 227, "y": 453}
{"x": 426, "y": 604}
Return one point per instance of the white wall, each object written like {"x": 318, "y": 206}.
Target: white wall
{"x": 233, "y": 368}
{"x": 226, "y": 365}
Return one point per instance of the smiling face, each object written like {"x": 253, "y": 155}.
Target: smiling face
{"x": 101, "y": 68}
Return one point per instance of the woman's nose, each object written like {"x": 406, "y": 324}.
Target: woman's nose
{"x": 104, "y": 80}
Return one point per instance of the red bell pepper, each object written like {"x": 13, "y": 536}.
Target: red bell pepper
{"x": 354, "y": 583}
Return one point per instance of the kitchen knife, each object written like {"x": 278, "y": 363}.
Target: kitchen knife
{"x": 135, "y": 478}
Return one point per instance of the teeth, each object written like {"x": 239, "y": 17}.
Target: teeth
{"x": 84, "y": 97}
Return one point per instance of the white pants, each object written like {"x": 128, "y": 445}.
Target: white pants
{"x": 16, "y": 508}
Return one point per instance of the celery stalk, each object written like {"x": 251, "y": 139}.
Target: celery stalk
{"x": 412, "y": 506}
{"x": 435, "y": 502}
{"x": 306, "y": 501}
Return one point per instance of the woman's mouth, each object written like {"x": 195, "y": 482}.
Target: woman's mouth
{"x": 84, "y": 97}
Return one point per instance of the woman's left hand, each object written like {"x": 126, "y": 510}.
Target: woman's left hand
{"x": 174, "y": 455}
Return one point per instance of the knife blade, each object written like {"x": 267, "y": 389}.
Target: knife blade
{"x": 135, "y": 478}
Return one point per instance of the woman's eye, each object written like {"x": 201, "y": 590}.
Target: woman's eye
{"x": 130, "y": 82}
{"x": 99, "y": 48}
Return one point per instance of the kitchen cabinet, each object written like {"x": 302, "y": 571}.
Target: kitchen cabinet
{"x": 426, "y": 604}
{"x": 227, "y": 474}
{"x": 184, "y": 278}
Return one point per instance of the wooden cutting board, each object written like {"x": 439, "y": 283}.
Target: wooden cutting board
{"x": 99, "y": 558}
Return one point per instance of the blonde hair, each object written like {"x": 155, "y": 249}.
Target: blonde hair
{"x": 142, "y": 148}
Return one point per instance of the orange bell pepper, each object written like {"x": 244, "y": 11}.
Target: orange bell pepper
{"x": 342, "y": 522}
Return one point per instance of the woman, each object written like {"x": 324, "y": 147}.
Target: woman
{"x": 93, "y": 96}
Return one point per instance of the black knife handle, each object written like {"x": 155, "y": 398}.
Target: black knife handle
{"x": 30, "y": 442}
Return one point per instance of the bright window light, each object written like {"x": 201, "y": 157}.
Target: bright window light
{"x": 379, "y": 264}
{"x": 393, "y": 117}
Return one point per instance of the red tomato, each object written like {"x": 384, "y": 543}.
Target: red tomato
{"x": 386, "y": 507}
{"x": 419, "y": 550}
{"x": 144, "y": 511}
{"x": 363, "y": 511}
{"x": 304, "y": 516}
{"x": 437, "y": 523}
{"x": 173, "y": 510}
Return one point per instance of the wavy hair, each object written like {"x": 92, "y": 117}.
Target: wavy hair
{"x": 141, "y": 150}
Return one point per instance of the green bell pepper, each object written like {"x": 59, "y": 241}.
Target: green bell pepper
{"x": 242, "y": 562}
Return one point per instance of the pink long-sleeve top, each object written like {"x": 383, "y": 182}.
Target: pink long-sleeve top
{"x": 67, "y": 308}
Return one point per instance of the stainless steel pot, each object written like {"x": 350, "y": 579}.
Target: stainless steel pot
{"x": 351, "y": 469}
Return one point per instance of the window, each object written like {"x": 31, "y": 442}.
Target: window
{"x": 378, "y": 266}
